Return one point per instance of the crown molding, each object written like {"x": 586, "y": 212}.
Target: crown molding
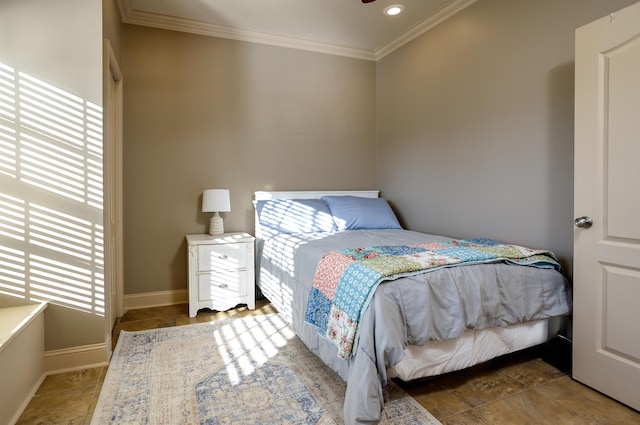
{"x": 425, "y": 25}
{"x": 136, "y": 17}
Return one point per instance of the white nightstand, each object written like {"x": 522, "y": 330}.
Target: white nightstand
{"x": 221, "y": 271}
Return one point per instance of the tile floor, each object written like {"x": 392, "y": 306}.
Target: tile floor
{"x": 519, "y": 389}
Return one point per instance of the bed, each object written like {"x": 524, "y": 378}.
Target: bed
{"x": 413, "y": 323}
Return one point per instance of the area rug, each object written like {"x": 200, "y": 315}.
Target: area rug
{"x": 249, "y": 370}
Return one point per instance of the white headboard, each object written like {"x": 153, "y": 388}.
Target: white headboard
{"x": 314, "y": 194}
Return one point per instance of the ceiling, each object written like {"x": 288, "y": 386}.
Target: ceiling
{"x": 342, "y": 27}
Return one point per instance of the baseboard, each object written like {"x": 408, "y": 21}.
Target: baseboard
{"x": 75, "y": 358}
{"x": 155, "y": 299}
{"x": 26, "y": 401}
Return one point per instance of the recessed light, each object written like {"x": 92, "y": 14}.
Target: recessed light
{"x": 394, "y": 9}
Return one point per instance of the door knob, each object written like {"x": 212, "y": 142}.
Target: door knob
{"x": 585, "y": 222}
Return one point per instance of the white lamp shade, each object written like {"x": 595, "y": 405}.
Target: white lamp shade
{"x": 216, "y": 200}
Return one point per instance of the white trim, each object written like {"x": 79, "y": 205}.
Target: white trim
{"x": 136, "y": 17}
{"x": 431, "y": 21}
{"x": 75, "y": 358}
{"x": 112, "y": 213}
{"x": 313, "y": 194}
{"x": 155, "y": 299}
{"x": 148, "y": 19}
{"x": 124, "y": 6}
{"x": 27, "y": 400}
{"x": 115, "y": 166}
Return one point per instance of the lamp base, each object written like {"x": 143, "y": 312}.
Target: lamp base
{"x": 216, "y": 225}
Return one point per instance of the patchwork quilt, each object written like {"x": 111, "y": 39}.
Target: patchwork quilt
{"x": 346, "y": 279}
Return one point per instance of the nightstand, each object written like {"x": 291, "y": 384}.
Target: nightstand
{"x": 221, "y": 271}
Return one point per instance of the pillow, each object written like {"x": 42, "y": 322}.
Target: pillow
{"x": 294, "y": 216}
{"x": 354, "y": 212}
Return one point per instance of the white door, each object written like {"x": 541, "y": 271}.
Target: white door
{"x": 606, "y": 338}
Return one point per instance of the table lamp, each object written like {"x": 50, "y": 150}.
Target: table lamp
{"x": 216, "y": 201}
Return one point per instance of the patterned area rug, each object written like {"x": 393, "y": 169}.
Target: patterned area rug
{"x": 249, "y": 370}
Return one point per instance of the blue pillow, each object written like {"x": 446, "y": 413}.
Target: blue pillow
{"x": 354, "y": 212}
{"x": 294, "y": 216}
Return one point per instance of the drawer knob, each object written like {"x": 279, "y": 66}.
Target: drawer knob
{"x": 222, "y": 285}
{"x": 222, "y": 256}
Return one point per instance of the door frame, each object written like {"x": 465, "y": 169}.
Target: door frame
{"x": 113, "y": 188}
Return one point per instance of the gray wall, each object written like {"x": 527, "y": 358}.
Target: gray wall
{"x": 467, "y": 130}
{"x": 475, "y": 122}
{"x": 204, "y": 113}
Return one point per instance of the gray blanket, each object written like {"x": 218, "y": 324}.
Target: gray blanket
{"x": 437, "y": 305}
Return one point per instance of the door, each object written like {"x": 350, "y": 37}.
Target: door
{"x": 606, "y": 337}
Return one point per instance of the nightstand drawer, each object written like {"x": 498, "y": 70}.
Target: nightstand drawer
{"x": 221, "y": 285}
{"x": 222, "y": 257}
